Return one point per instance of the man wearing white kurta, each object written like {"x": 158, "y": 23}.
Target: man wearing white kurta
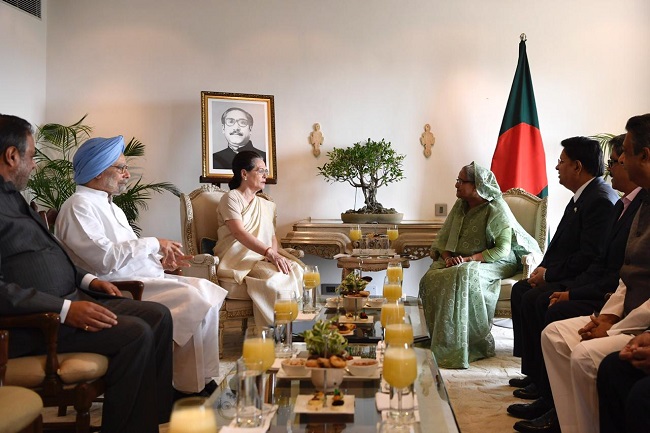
{"x": 99, "y": 238}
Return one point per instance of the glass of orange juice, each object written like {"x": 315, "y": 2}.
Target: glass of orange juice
{"x": 286, "y": 311}
{"x": 400, "y": 370}
{"x": 191, "y": 414}
{"x": 355, "y": 233}
{"x": 259, "y": 346}
{"x": 311, "y": 281}
{"x": 392, "y": 288}
{"x": 393, "y": 233}
{"x": 394, "y": 270}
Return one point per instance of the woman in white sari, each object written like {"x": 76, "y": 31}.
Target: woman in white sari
{"x": 247, "y": 248}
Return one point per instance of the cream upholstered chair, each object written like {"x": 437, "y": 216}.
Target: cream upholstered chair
{"x": 20, "y": 408}
{"x": 530, "y": 212}
{"x": 60, "y": 379}
{"x": 199, "y": 235}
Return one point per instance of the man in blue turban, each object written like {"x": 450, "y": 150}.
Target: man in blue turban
{"x": 98, "y": 237}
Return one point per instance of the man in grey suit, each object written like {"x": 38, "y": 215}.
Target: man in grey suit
{"x": 36, "y": 275}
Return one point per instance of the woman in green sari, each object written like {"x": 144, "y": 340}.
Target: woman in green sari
{"x": 480, "y": 243}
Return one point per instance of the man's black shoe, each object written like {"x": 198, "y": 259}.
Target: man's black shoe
{"x": 520, "y": 383}
{"x": 531, "y": 410}
{"x": 528, "y": 393}
{"x": 210, "y": 387}
{"x": 547, "y": 423}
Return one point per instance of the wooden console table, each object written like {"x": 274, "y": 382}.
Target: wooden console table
{"x": 326, "y": 238}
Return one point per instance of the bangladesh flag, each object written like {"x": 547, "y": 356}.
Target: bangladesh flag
{"x": 519, "y": 160}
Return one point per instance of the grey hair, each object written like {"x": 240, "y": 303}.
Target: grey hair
{"x": 469, "y": 171}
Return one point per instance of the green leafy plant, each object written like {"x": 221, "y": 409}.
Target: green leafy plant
{"x": 52, "y": 183}
{"x": 352, "y": 284}
{"x": 368, "y": 166}
{"x": 325, "y": 331}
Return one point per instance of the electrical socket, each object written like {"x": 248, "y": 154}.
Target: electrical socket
{"x": 441, "y": 209}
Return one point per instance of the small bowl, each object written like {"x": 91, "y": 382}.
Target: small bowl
{"x": 334, "y": 377}
{"x": 375, "y": 302}
{"x": 363, "y": 367}
{"x": 354, "y": 303}
{"x": 294, "y": 367}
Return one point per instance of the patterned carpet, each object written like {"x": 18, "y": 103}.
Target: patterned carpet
{"x": 479, "y": 395}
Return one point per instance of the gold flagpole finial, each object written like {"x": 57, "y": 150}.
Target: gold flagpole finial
{"x": 522, "y": 37}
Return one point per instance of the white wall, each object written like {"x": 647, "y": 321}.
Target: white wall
{"x": 379, "y": 69}
{"x": 22, "y": 64}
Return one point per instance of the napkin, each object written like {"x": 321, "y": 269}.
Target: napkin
{"x": 267, "y": 417}
{"x": 306, "y": 316}
{"x": 383, "y": 401}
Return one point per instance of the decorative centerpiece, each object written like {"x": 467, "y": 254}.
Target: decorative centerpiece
{"x": 327, "y": 354}
{"x": 368, "y": 166}
{"x": 353, "y": 293}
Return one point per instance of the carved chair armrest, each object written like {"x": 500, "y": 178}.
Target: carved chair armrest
{"x": 530, "y": 262}
{"x": 48, "y": 323}
{"x": 204, "y": 260}
{"x": 299, "y": 254}
{"x": 134, "y": 287}
{"x": 203, "y": 266}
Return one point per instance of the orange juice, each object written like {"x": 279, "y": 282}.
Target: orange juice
{"x": 399, "y": 334}
{"x": 391, "y": 312}
{"x": 400, "y": 366}
{"x": 311, "y": 280}
{"x": 259, "y": 349}
{"x": 193, "y": 420}
{"x": 355, "y": 234}
{"x": 394, "y": 273}
{"x": 392, "y": 291}
{"x": 286, "y": 310}
{"x": 392, "y": 234}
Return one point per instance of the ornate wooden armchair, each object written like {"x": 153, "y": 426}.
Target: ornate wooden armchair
{"x": 61, "y": 379}
{"x": 20, "y": 408}
{"x": 199, "y": 236}
{"x": 530, "y": 212}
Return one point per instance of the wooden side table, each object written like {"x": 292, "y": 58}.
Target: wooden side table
{"x": 368, "y": 264}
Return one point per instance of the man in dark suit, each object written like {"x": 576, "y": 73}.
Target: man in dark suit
{"x": 236, "y": 125}
{"x": 577, "y": 242}
{"x": 36, "y": 275}
{"x": 583, "y": 296}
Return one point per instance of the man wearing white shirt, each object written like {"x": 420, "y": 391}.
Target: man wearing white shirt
{"x": 574, "y": 348}
{"x": 98, "y": 237}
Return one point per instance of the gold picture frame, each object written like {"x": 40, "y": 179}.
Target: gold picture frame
{"x": 254, "y": 130}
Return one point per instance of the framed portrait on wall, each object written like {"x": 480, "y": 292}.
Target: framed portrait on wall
{"x": 231, "y": 123}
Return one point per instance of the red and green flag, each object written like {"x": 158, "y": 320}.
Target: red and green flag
{"x": 519, "y": 160}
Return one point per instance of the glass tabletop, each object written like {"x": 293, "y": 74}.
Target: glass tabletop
{"x": 366, "y": 332}
{"x": 434, "y": 408}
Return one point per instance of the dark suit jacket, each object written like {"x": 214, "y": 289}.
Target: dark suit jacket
{"x": 579, "y": 240}
{"x": 602, "y": 276}
{"x": 223, "y": 158}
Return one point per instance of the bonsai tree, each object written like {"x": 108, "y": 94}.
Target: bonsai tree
{"x": 53, "y": 180}
{"x": 368, "y": 166}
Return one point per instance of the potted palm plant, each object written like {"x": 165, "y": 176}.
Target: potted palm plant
{"x": 367, "y": 165}
{"x": 53, "y": 180}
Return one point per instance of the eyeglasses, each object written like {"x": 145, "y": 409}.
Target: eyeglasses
{"x": 611, "y": 163}
{"x": 121, "y": 168}
{"x": 459, "y": 180}
{"x": 229, "y": 121}
{"x": 262, "y": 171}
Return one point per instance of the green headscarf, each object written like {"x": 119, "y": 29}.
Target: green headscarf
{"x": 484, "y": 180}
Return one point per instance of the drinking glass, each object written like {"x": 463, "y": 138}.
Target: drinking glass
{"x": 399, "y": 332}
{"x": 355, "y": 233}
{"x": 394, "y": 270}
{"x": 310, "y": 280}
{"x": 400, "y": 370}
{"x": 286, "y": 311}
{"x": 393, "y": 233}
{"x": 392, "y": 312}
{"x": 259, "y": 346}
{"x": 249, "y": 402}
{"x": 192, "y": 415}
{"x": 392, "y": 288}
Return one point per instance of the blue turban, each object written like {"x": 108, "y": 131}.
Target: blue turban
{"x": 95, "y": 156}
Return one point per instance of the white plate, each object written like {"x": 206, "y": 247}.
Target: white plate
{"x": 302, "y": 406}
